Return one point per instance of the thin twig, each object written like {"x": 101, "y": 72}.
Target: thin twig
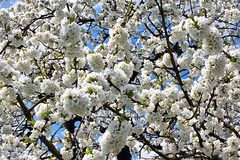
{"x": 18, "y": 125}
{"x": 38, "y": 102}
{"x": 5, "y": 47}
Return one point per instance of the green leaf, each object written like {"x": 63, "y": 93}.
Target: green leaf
{"x": 51, "y": 158}
{"x": 45, "y": 114}
{"x": 1, "y": 85}
{"x": 195, "y": 25}
{"x": 191, "y": 17}
{"x": 29, "y": 140}
{"x": 144, "y": 103}
{"x": 70, "y": 97}
{"x": 101, "y": 47}
{"x": 93, "y": 79}
{"x": 89, "y": 151}
{"x": 80, "y": 75}
{"x": 233, "y": 59}
{"x": 32, "y": 122}
{"x": 196, "y": 116}
{"x": 58, "y": 55}
{"x": 90, "y": 90}
{"x": 130, "y": 93}
{"x": 71, "y": 18}
{"x": 122, "y": 118}
{"x": 13, "y": 47}
{"x": 17, "y": 37}
{"x": 63, "y": 115}
{"x": 183, "y": 26}
{"x": 8, "y": 28}
{"x": 10, "y": 75}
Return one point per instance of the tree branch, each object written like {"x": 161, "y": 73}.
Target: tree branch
{"x": 29, "y": 117}
{"x": 178, "y": 77}
{"x": 40, "y": 101}
{"x": 4, "y": 48}
{"x": 142, "y": 138}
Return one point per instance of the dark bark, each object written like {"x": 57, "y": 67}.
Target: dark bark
{"x": 124, "y": 154}
{"x": 134, "y": 75}
{"x": 70, "y": 125}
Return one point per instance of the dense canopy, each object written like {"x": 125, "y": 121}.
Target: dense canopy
{"x": 109, "y": 79}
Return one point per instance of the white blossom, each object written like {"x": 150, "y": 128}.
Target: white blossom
{"x": 75, "y": 101}
{"x": 115, "y": 137}
{"x": 96, "y": 62}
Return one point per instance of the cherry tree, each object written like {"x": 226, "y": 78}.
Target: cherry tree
{"x": 105, "y": 79}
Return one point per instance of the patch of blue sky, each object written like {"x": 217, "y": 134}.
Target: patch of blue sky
{"x": 7, "y": 4}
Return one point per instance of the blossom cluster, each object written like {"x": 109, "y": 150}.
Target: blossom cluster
{"x": 75, "y": 101}
{"x": 115, "y": 137}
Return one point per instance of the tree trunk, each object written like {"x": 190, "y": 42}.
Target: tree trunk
{"x": 124, "y": 154}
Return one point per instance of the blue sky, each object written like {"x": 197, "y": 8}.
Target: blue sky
{"x": 7, "y": 4}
